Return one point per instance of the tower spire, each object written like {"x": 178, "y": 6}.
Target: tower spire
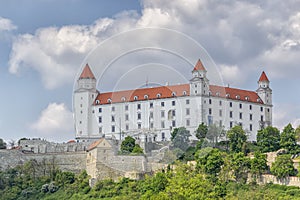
{"x": 199, "y": 66}
{"x": 87, "y": 73}
{"x": 263, "y": 77}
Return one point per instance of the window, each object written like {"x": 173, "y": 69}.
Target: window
{"x": 231, "y": 124}
{"x": 80, "y": 105}
{"x": 241, "y": 124}
{"x": 268, "y": 110}
{"x": 209, "y": 101}
{"x": 162, "y": 104}
{"x": 184, "y": 93}
{"x": 173, "y": 94}
{"x": 80, "y": 122}
{"x": 250, "y": 107}
{"x": 230, "y": 114}
{"x": 151, "y": 115}
{"x": 113, "y": 109}
{"x": 237, "y": 97}
{"x": 139, "y": 106}
{"x": 112, "y": 118}
{"x": 126, "y": 107}
{"x": 108, "y": 100}
{"x": 262, "y": 118}
{"x": 227, "y": 95}
{"x": 162, "y": 124}
{"x": 209, "y": 111}
{"x": 241, "y": 115}
{"x": 126, "y": 117}
{"x": 158, "y": 95}
{"x": 135, "y": 98}
{"x": 173, "y": 113}
{"x": 187, "y": 101}
{"x": 97, "y": 101}
{"x": 151, "y": 105}
{"x": 139, "y": 125}
{"x": 220, "y": 123}
{"x": 151, "y": 125}
{"x": 261, "y": 109}
{"x": 173, "y": 103}
{"x": 187, "y": 122}
{"x": 220, "y": 113}
{"x": 241, "y": 106}
{"x": 250, "y": 127}
{"x": 173, "y": 123}
{"x": 146, "y": 97}
{"x": 250, "y": 117}
{"x": 187, "y": 111}
{"x": 100, "y": 119}
{"x": 113, "y": 129}
{"x": 100, "y": 129}
{"x": 123, "y": 99}
{"x": 139, "y": 116}
{"x": 163, "y": 136}
{"x": 230, "y": 104}
{"x": 127, "y": 127}
{"x": 220, "y": 103}
{"x": 162, "y": 113}
{"x": 100, "y": 110}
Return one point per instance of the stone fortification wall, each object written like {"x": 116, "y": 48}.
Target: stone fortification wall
{"x": 43, "y": 146}
{"x": 69, "y": 161}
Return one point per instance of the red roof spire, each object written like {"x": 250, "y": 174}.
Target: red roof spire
{"x": 263, "y": 77}
{"x": 199, "y": 66}
{"x": 87, "y": 73}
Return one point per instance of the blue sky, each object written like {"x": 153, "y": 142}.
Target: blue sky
{"x": 43, "y": 44}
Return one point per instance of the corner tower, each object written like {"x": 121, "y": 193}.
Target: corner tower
{"x": 84, "y": 96}
{"x": 199, "y": 84}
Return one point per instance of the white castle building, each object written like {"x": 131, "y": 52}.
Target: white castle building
{"x": 154, "y": 112}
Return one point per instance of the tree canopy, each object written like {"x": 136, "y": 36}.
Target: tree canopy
{"x": 180, "y": 138}
{"x": 237, "y": 139}
{"x": 268, "y": 139}
{"x": 201, "y": 131}
{"x": 288, "y": 139}
{"x": 128, "y": 146}
{"x": 283, "y": 166}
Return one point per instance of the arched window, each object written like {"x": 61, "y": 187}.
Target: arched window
{"x": 97, "y": 102}
{"x": 109, "y": 100}
{"x": 247, "y": 98}
{"x": 123, "y": 99}
{"x": 184, "y": 93}
{"x": 173, "y": 94}
{"x": 227, "y": 95}
{"x": 146, "y": 96}
{"x": 158, "y": 95}
{"x": 217, "y": 94}
{"x": 237, "y": 97}
{"x": 135, "y": 98}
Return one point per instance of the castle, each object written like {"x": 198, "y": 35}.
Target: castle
{"x": 152, "y": 113}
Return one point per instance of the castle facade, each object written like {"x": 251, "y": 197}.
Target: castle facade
{"x": 152, "y": 113}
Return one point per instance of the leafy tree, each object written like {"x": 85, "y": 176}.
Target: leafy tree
{"x": 240, "y": 164}
{"x": 210, "y": 162}
{"x": 288, "y": 139}
{"x": 268, "y": 139}
{"x": 137, "y": 149}
{"x": 201, "y": 131}
{"x": 180, "y": 138}
{"x": 237, "y": 139}
{"x": 2, "y": 144}
{"x": 128, "y": 145}
{"x": 214, "y": 133}
{"x": 283, "y": 166}
{"x": 258, "y": 164}
{"x": 297, "y": 132}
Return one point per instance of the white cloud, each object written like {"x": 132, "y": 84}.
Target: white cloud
{"x": 231, "y": 74}
{"x": 55, "y": 122}
{"x": 6, "y": 24}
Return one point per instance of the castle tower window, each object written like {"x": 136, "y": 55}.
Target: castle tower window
{"x": 158, "y": 95}
{"x": 135, "y": 98}
{"x": 97, "y": 102}
{"x": 250, "y": 127}
{"x": 146, "y": 96}
{"x": 209, "y": 93}
{"x": 241, "y": 115}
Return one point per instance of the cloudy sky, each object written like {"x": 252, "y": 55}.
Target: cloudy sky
{"x": 44, "y": 45}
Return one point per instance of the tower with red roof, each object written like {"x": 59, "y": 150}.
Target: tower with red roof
{"x": 199, "y": 84}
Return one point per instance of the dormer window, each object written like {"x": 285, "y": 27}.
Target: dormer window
{"x": 173, "y": 94}
{"x": 227, "y": 95}
{"x": 218, "y": 94}
{"x": 135, "y": 98}
{"x": 158, "y": 95}
{"x": 184, "y": 93}
{"x": 237, "y": 97}
{"x": 109, "y": 100}
{"x": 146, "y": 96}
{"x": 258, "y": 100}
{"x": 209, "y": 93}
{"x": 123, "y": 99}
{"x": 247, "y": 98}
{"x": 97, "y": 102}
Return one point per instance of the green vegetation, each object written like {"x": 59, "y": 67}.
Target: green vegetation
{"x": 283, "y": 166}
{"x": 237, "y": 139}
{"x": 268, "y": 139}
{"x": 128, "y": 146}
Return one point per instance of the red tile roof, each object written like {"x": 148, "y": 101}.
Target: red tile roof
{"x": 174, "y": 90}
{"x": 143, "y": 94}
{"x": 199, "y": 66}
{"x": 263, "y": 77}
{"x": 95, "y": 144}
{"x": 234, "y": 94}
{"x": 87, "y": 73}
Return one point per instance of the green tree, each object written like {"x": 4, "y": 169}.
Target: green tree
{"x": 288, "y": 139}
{"x": 268, "y": 139}
{"x": 237, "y": 139}
{"x": 258, "y": 164}
{"x": 283, "y": 166}
{"x": 201, "y": 131}
{"x": 128, "y": 145}
{"x": 180, "y": 138}
{"x": 297, "y": 132}
{"x": 210, "y": 161}
{"x": 240, "y": 164}
{"x": 137, "y": 149}
{"x": 2, "y": 144}
{"x": 214, "y": 133}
